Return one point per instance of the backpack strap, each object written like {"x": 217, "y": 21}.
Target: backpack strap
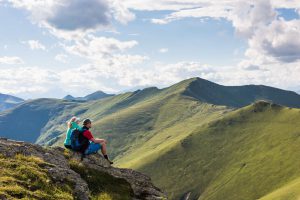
{"x": 85, "y": 145}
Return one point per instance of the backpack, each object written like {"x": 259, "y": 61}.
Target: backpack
{"x": 79, "y": 143}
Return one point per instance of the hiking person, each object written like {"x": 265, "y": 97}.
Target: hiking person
{"x": 73, "y": 123}
{"x": 95, "y": 143}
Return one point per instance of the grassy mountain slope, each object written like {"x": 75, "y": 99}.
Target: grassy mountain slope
{"x": 246, "y": 155}
{"x": 288, "y": 192}
{"x": 166, "y": 133}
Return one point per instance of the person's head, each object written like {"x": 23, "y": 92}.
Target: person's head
{"x": 87, "y": 123}
{"x": 77, "y": 120}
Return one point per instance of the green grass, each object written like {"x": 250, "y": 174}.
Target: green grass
{"x": 193, "y": 115}
{"x": 246, "y": 155}
{"x": 24, "y": 177}
{"x": 102, "y": 185}
{"x": 288, "y": 192}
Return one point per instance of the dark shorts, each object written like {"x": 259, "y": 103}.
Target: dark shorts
{"x": 93, "y": 148}
{"x": 68, "y": 146}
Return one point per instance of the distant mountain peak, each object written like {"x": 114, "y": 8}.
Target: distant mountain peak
{"x": 69, "y": 97}
{"x": 6, "y": 97}
{"x": 94, "y": 96}
{"x": 98, "y": 92}
{"x": 97, "y": 95}
{"x": 9, "y": 101}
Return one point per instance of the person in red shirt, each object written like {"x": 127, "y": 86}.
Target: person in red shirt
{"x": 95, "y": 143}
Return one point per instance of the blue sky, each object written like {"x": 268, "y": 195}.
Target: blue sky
{"x": 51, "y": 48}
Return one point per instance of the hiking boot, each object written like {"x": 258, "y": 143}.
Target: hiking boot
{"x": 110, "y": 162}
{"x": 106, "y": 157}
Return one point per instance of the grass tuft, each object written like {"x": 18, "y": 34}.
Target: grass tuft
{"x": 24, "y": 177}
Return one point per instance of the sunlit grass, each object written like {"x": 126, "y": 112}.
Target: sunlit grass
{"x": 24, "y": 177}
{"x": 288, "y": 192}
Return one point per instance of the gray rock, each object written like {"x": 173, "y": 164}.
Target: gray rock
{"x": 60, "y": 172}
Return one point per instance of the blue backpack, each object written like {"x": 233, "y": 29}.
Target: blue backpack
{"x": 79, "y": 143}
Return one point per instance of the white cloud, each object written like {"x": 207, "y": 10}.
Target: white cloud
{"x": 39, "y": 82}
{"x": 163, "y": 50}
{"x": 120, "y": 12}
{"x": 213, "y": 10}
{"x": 34, "y": 45}
{"x": 61, "y": 58}
{"x": 271, "y": 39}
{"x": 75, "y": 15}
{"x": 247, "y": 17}
{"x": 34, "y": 82}
{"x": 98, "y": 47}
{"x": 28, "y": 80}
{"x": 11, "y": 60}
{"x": 108, "y": 53}
{"x": 279, "y": 40}
{"x": 150, "y": 5}
{"x": 167, "y": 74}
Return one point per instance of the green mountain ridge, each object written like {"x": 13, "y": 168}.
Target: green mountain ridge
{"x": 191, "y": 137}
{"x": 239, "y": 96}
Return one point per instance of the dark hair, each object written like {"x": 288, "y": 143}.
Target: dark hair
{"x": 86, "y": 122}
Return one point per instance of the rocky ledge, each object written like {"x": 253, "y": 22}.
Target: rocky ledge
{"x": 60, "y": 170}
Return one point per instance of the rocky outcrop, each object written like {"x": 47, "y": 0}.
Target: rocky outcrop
{"x": 60, "y": 171}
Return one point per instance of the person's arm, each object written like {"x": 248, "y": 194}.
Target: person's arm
{"x": 96, "y": 140}
{"x": 71, "y": 121}
{"x": 90, "y": 137}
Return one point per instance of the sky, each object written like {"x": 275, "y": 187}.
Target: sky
{"x": 51, "y": 48}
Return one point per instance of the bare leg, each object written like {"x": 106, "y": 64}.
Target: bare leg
{"x": 103, "y": 148}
